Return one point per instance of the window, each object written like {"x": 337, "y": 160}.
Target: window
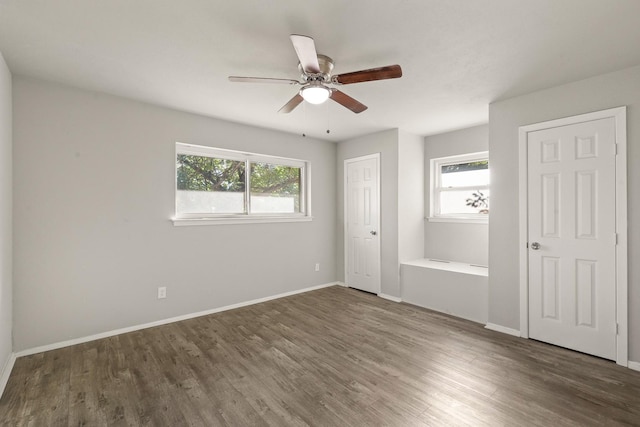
{"x": 224, "y": 186}
{"x": 460, "y": 188}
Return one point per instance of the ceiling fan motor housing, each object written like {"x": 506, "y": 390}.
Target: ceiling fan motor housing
{"x": 326, "y": 67}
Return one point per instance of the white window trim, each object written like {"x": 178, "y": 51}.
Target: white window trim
{"x": 245, "y": 217}
{"x": 435, "y": 189}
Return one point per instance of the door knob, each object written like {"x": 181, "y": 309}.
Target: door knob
{"x": 535, "y": 246}
{"x": 373, "y": 232}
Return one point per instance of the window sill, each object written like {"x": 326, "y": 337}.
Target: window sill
{"x": 461, "y": 220}
{"x": 181, "y": 222}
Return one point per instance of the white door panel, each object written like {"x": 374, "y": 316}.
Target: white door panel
{"x": 571, "y": 211}
{"x": 362, "y": 239}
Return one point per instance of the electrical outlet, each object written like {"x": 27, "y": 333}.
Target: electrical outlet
{"x": 162, "y": 292}
{"x": 317, "y": 266}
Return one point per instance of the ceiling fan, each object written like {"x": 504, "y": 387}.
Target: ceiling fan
{"x": 317, "y": 82}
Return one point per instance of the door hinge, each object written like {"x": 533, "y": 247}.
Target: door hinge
{"x": 617, "y": 328}
{"x": 615, "y": 149}
{"x": 615, "y": 238}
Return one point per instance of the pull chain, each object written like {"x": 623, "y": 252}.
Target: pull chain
{"x": 304, "y": 120}
{"x": 328, "y": 119}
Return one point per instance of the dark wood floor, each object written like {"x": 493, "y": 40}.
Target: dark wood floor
{"x": 332, "y": 357}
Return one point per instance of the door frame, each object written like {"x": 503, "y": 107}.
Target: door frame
{"x": 619, "y": 115}
{"x": 345, "y": 224}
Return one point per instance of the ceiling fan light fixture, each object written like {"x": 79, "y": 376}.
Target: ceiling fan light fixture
{"x": 315, "y": 94}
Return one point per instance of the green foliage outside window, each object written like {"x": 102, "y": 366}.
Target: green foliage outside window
{"x": 199, "y": 173}
{"x": 275, "y": 179}
{"x": 463, "y": 167}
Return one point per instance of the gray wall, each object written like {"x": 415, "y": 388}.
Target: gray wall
{"x": 462, "y": 242}
{"x": 6, "y": 246}
{"x": 94, "y": 194}
{"x": 410, "y": 197}
{"x": 385, "y": 143}
{"x": 598, "y": 93}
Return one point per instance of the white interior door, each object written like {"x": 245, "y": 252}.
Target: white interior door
{"x": 362, "y": 239}
{"x": 571, "y": 235}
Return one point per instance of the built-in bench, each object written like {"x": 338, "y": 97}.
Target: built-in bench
{"x": 450, "y": 287}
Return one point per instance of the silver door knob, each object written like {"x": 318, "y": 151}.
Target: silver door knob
{"x": 373, "y": 232}
{"x": 535, "y": 246}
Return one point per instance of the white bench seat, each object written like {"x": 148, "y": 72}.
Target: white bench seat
{"x": 450, "y": 287}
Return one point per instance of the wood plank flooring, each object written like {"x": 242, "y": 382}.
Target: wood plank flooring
{"x": 332, "y": 357}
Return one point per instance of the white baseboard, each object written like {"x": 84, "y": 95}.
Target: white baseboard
{"x": 6, "y": 371}
{"x": 389, "y": 297}
{"x": 503, "y": 329}
{"x": 107, "y": 334}
{"x": 344, "y": 285}
{"x": 634, "y": 365}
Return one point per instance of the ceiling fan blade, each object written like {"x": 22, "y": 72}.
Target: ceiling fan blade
{"x": 306, "y": 50}
{"x": 293, "y": 103}
{"x": 347, "y": 101}
{"x": 380, "y": 73}
{"x": 239, "y": 79}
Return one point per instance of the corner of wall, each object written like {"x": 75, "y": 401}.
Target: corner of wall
{"x": 449, "y": 241}
{"x": 411, "y": 193}
{"x": 5, "y": 373}
{"x": 6, "y": 224}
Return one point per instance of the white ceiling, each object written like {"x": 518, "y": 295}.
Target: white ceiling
{"x": 457, "y": 55}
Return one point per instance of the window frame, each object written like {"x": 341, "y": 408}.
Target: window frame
{"x": 436, "y": 188}
{"x": 246, "y": 216}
